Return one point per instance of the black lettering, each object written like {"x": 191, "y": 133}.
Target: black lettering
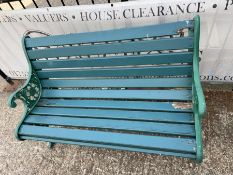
{"x": 41, "y": 18}
{"x": 109, "y": 15}
{"x": 216, "y": 78}
{"x": 124, "y": 13}
{"x": 8, "y": 19}
{"x": 202, "y": 77}
{"x": 52, "y": 16}
{"x": 161, "y": 11}
{"x": 5, "y": 19}
{"x": 151, "y": 11}
{"x": 200, "y": 7}
{"x": 134, "y": 14}
{"x": 63, "y": 17}
{"x": 99, "y": 15}
{"x": 179, "y": 8}
{"x": 170, "y": 11}
{"x": 142, "y": 12}
{"x": 188, "y": 7}
{"x": 228, "y": 3}
{"x": 28, "y": 17}
{"x": 17, "y": 73}
{"x": 13, "y": 19}
{"x": 44, "y": 18}
{"x": 84, "y": 17}
{"x": 93, "y": 16}
{"x": 115, "y": 14}
{"x": 211, "y": 77}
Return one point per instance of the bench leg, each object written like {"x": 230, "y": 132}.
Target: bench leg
{"x": 50, "y": 145}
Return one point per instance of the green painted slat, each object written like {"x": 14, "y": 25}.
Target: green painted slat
{"x": 119, "y": 139}
{"x": 110, "y": 35}
{"x": 179, "y": 95}
{"x": 184, "y": 57}
{"x": 139, "y": 46}
{"x": 166, "y": 122}
{"x": 138, "y": 126}
{"x": 118, "y": 72}
{"x": 116, "y": 114}
{"x": 131, "y": 105}
{"x": 160, "y": 152}
{"x": 155, "y": 82}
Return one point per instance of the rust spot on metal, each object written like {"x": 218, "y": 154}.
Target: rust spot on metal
{"x": 180, "y": 105}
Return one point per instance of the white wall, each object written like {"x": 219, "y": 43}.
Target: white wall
{"x": 216, "y": 29}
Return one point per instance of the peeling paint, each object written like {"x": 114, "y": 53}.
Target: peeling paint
{"x": 180, "y": 105}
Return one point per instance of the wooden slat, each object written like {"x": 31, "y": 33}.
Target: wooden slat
{"x": 138, "y": 126}
{"x": 115, "y": 114}
{"x": 109, "y": 104}
{"x": 128, "y": 118}
{"x": 155, "y": 82}
{"x": 118, "y": 72}
{"x": 179, "y": 95}
{"x": 110, "y": 35}
{"x": 184, "y": 57}
{"x": 120, "y": 139}
{"x": 138, "y": 46}
{"x": 160, "y": 152}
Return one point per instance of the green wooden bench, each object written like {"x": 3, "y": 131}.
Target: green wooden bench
{"x": 135, "y": 89}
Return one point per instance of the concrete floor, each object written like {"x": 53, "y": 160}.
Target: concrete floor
{"x": 28, "y": 157}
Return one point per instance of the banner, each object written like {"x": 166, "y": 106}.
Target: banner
{"x": 216, "y": 48}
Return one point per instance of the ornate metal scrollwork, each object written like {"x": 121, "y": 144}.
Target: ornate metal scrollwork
{"x": 29, "y": 94}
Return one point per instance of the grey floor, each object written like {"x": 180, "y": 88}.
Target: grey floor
{"x": 28, "y": 157}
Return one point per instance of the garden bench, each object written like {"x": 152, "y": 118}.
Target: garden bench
{"x": 134, "y": 89}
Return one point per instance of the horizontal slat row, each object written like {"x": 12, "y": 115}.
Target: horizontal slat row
{"x": 110, "y": 104}
{"x": 116, "y": 114}
{"x": 138, "y": 126}
{"x": 110, "y": 35}
{"x": 123, "y": 83}
{"x": 183, "y": 57}
{"x": 117, "y": 72}
{"x": 139, "y": 46}
{"x": 159, "y": 151}
{"x": 162, "y": 128}
{"x": 108, "y": 138}
{"x": 179, "y": 95}
{"x": 156, "y": 100}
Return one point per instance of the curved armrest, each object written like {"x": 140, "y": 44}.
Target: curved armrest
{"x": 199, "y": 98}
{"x": 199, "y": 95}
{"x": 16, "y": 95}
{"x": 30, "y": 92}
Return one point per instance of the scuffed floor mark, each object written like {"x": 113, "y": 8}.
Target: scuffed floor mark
{"x": 180, "y": 105}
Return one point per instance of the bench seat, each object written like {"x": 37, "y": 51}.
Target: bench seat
{"x": 134, "y": 89}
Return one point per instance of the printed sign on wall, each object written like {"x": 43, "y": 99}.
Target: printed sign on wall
{"x": 216, "y": 28}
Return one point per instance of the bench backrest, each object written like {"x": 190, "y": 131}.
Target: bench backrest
{"x": 141, "y": 52}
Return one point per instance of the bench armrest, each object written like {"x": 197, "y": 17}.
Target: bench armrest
{"x": 199, "y": 98}
{"x": 30, "y": 92}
